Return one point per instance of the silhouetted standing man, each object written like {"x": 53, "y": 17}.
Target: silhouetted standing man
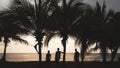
{"x": 76, "y": 56}
{"x": 57, "y": 55}
{"x": 48, "y": 56}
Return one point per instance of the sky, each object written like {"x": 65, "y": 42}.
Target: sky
{"x": 111, "y": 4}
{"x": 4, "y": 4}
{"x": 16, "y": 47}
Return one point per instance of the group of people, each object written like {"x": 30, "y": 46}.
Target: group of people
{"x": 58, "y": 54}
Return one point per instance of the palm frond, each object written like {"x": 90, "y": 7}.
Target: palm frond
{"x": 23, "y": 7}
{"x": 103, "y": 9}
{"x": 49, "y": 37}
{"x": 64, "y": 4}
{"x": 77, "y": 41}
{"x": 98, "y": 9}
{"x": 79, "y": 4}
{"x": 17, "y": 38}
{"x": 90, "y": 42}
{"x": 70, "y": 3}
{"x": 111, "y": 12}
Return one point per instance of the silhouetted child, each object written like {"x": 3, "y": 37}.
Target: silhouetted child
{"x": 48, "y": 56}
{"x": 76, "y": 56}
{"x": 57, "y": 55}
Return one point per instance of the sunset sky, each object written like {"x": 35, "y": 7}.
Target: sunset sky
{"x": 16, "y": 47}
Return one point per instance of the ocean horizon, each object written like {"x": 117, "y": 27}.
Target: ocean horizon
{"x": 23, "y": 57}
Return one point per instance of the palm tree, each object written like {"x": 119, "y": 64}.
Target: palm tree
{"x": 114, "y": 44}
{"x": 38, "y": 12}
{"x": 10, "y": 30}
{"x": 92, "y": 29}
{"x": 101, "y": 33}
{"x": 105, "y": 30}
{"x": 107, "y": 34}
{"x": 64, "y": 17}
{"x": 82, "y": 30}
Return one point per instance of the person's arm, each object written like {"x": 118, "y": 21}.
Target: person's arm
{"x": 61, "y": 52}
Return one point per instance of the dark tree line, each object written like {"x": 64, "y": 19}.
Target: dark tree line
{"x": 88, "y": 25}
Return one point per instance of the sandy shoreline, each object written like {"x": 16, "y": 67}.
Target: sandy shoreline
{"x": 23, "y": 57}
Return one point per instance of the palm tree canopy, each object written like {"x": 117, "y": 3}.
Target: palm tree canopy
{"x": 11, "y": 28}
{"x": 63, "y": 18}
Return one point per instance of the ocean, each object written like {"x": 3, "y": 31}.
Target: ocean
{"x": 23, "y": 57}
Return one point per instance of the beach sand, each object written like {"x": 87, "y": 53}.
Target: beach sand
{"x": 21, "y": 57}
{"x": 59, "y": 65}
{"x": 31, "y": 61}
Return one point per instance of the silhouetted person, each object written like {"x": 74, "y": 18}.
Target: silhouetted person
{"x": 48, "y": 56}
{"x": 76, "y": 56}
{"x": 57, "y": 55}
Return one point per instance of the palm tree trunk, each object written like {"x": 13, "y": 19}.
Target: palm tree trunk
{"x": 83, "y": 50}
{"x": 82, "y": 55}
{"x": 39, "y": 38}
{"x": 64, "y": 52}
{"x": 104, "y": 57}
{"x": 114, "y": 52}
{"x": 40, "y": 52}
{"x": 4, "y": 53}
{"x": 104, "y": 52}
{"x": 64, "y": 46}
